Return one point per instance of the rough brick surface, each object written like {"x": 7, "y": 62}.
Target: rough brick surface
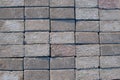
{"x": 62, "y": 50}
{"x": 110, "y": 37}
{"x": 84, "y": 13}
{"x": 86, "y": 37}
{"x": 36, "y": 25}
{"x": 11, "y": 25}
{"x": 110, "y": 61}
{"x": 86, "y": 3}
{"x": 36, "y": 63}
{"x": 62, "y": 13}
{"x": 87, "y": 62}
{"x": 111, "y": 49}
{"x": 62, "y": 63}
{"x": 11, "y": 38}
{"x": 62, "y": 75}
{"x": 62, "y": 25}
{"x": 36, "y": 37}
{"x": 11, "y": 50}
{"x": 55, "y": 3}
{"x": 11, "y": 75}
{"x": 36, "y": 75}
{"x": 62, "y": 37}
{"x": 87, "y": 26}
{"x": 11, "y": 64}
{"x": 38, "y": 12}
{"x": 87, "y": 50}
{"x": 87, "y": 74}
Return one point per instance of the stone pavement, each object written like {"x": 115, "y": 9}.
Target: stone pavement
{"x": 59, "y": 39}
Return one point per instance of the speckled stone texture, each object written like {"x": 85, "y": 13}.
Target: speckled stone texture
{"x": 59, "y": 39}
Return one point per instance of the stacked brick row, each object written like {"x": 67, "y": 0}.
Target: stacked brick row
{"x": 59, "y": 39}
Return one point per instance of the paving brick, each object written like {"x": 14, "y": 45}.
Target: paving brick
{"x": 86, "y": 3}
{"x": 62, "y": 37}
{"x": 109, "y": 4}
{"x": 36, "y": 75}
{"x": 62, "y": 13}
{"x": 62, "y": 75}
{"x": 7, "y": 13}
{"x": 36, "y": 37}
{"x": 11, "y": 25}
{"x": 11, "y": 64}
{"x": 37, "y": 50}
{"x": 84, "y": 13}
{"x": 109, "y": 14}
{"x": 109, "y": 61}
{"x": 62, "y": 50}
{"x": 110, "y": 37}
{"x": 111, "y": 49}
{"x": 11, "y": 38}
{"x": 110, "y": 74}
{"x": 11, "y": 75}
{"x": 11, "y": 50}
{"x": 36, "y": 63}
{"x": 87, "y": 62}
{"x": 5, "y": 3}
{"x": 62, "y": 25}
{"x": 109, "y": 25}
{"x": 62, "y": 63}
{"x": 31, "y": 25}
{"x": 87, "y": 26}
{"x": 87, "y": 50}
{"x": 92, "y": 74}
{"x": 61, "y": 3}
{"x": 86, "y": 37}
{"x": 37, "y": 12}
{"x": 36, "y": 2}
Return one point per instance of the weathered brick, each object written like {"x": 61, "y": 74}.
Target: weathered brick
{"x": 87, "y": 62}
{"x": 62, "y": 13}
{"x": 110, "y": 14}
{"x": 62, "y": 37}
{"x": 62, "y": 50}
{"x": 11, "y": 64}
{"x": 62, "y": 75}
{"x": 55, "y": 3}
{"x": 109, "y": 4}
{"x": 37, "y": 12}
{"x": 36, "y": 2}
{"x": 86, "y": 3}
{"x": 86, "y": 37}
{"x": 36, "y": 75}
{"x": 87, "y": 26}
{"x": 109, "y": 25}
{"x": 84, "y": 13}
{"x": 11, "y": 38}
{"x": 37, "y": 25}
{"x": 109, "y": 61}
{"x": 87, "y": 50}
{"x": 11, "y": 75}
{"x": 112, "y": 49}
{"x": 109, "y": 37}
{"x": 92, "y": 74}
{"x": 5, "y": 3}
{"x": 7, "y": 13}
{"x": 62, "y": 25}
{"x": 110, "y": 74}
{"x": 37, "y": 50}
{"x": 62, "y": 63}
{"x": 11, "y": 51}
{"x": 11, "y": 25}
{"x": 36, "y": 37}
{"x": 36, "y": 63}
